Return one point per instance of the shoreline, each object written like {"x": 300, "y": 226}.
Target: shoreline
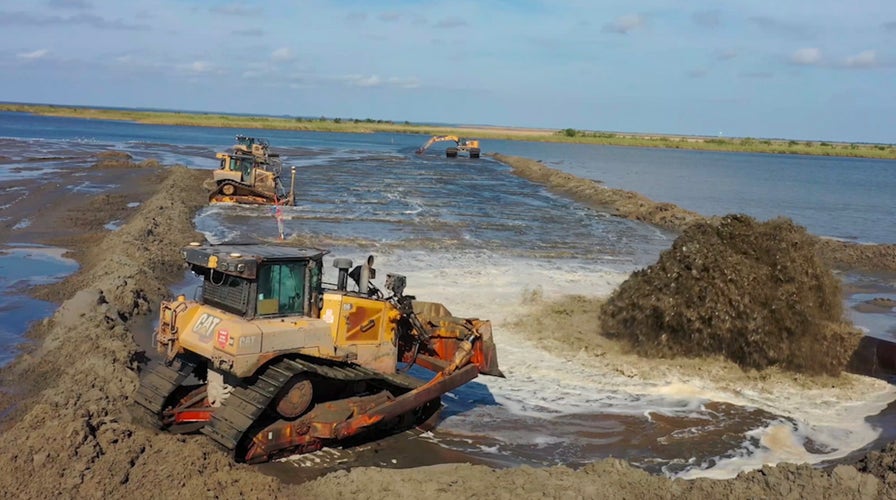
{"x": 569, "y": 136}
{"x": 77, "y": 436}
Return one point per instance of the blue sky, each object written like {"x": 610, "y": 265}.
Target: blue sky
{"x": 800, "y": 69}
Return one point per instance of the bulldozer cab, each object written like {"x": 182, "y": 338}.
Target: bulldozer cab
{"x": 281, "y": 288}
{"x": 259, "y": 281}
{"x": 238, "y": 163}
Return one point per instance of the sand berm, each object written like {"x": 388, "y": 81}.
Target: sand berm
{"x": 71, "y": 430}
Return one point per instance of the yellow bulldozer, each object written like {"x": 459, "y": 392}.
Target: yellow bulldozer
{"x": 469, "y": 147}
{"x": 269, "y": 360}
{"x": 250, "y": 174}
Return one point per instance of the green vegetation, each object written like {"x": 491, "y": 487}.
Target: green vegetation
{"x": 746, "y": 144}
{"x": 369, "y": 125}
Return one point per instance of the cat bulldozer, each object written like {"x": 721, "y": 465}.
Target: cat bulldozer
{"x": 250, "y": 174}
{"x": 469, "y": 147}
{"x": 268, "y": 360}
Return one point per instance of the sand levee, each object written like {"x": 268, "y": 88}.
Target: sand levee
{"x": 627, "y": 204}
{"x": 74, "y": 435}
{"x": 755, "y": 293}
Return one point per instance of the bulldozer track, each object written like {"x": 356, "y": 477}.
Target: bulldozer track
{"x": 241, "y": 189}
{"x": 158, "y": 382}
{"x": 246, "y": 403}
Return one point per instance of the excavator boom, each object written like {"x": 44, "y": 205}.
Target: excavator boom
{"x": 469, "y": 147}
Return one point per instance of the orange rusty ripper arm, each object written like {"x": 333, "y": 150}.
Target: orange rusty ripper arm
{"x": 334, "y": 420}
{"x": 440, "y": 384}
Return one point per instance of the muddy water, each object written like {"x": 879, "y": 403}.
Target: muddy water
{"x": 471, "y": 235}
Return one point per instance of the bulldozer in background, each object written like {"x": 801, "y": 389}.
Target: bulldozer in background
{"x": 250, "y": 174}
{"x": 269, "y": 361}
{"x": 469, "y": 147}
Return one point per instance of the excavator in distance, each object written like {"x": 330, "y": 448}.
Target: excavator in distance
{"x": 250, "y": 174}
{"x": 268, "y": 361}
{"x": 470, "y": 147}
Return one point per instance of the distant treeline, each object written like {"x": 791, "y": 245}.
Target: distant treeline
{"x": 370, "y": 125}
{"x": 746, "y": 144}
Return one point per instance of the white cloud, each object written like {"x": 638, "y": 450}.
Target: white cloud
{"x": 405, "y": 83}
{"x": 864, "y": 59}
{"x": 376, "y": 81}
{"x": 625, "y": 24}
{"x": 33, "y": 55}
{"x": 806, "y": 57}
{"x": 198, "y": 67}
{"x": 282, "y": 54}
{"x": 365, "y": 81}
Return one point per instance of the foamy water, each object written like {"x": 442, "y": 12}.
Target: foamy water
{"x": 543, "y": 387}
{"x": 572, "y": 410}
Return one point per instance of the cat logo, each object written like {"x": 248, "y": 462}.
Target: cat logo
{"x": 205, "y": 326}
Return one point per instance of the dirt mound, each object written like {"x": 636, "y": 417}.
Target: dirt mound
{"x": 753, "y": 292}
{"x": 881, "y": 464}
{"x": 120, "y": 159}
{"x": 853, "y": 256}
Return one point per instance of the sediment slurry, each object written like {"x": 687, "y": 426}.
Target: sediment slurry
{"x": 77, "y": 434}
{"x": 754, "y": 293}
{"x": 630, "y": 205}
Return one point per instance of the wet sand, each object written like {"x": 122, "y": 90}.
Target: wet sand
{"x": 72, "y": 430}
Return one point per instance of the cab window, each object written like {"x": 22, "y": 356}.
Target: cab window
{"x": 281, "y": 289}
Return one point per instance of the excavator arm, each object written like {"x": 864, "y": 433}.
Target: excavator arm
{"x": 437, "y": 138}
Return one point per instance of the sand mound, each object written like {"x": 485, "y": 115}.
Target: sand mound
{"x": 120, "y": 159}
{"x": 755, "y": 293}
{"x": 881, "y": 464}
{"x": 853, "y": 256}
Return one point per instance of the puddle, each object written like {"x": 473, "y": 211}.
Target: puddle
{"x": 23, "y": 266}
